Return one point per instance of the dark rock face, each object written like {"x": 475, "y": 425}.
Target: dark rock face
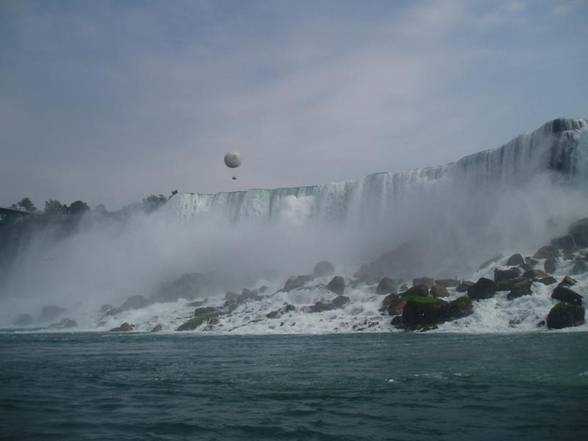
{"x": 447, "y": 283}
{"x": 515, "y": 260}
{"x": 427, "y": 312}
{"x": 579, "y": 232}
{"x": 51, "y": 312}
{"x": 157, "y": 328}
{"x": 280, "y": 312}
{"x": 295, "y": 282}
{"x": 580, "y": 267}
{"x": 393, "y": 304}
{"x": 423, "y": 281}
{"x": 337, "y": 285}
{"x": 506, "y": 285}
{"x": 201, "y": 316}
{"x": 568, "y": 281}
{"x": 124, "y": 327}
{"x": 418, "y": 290}
{"x": 483, "y": 289}
{"x": 549, "y": 280}
{"x": 464, "y": 286}
{"x": 23, "y": 320}
{"x": 323, "y": 269}
{"x": 566, "y": 295}
{"x": 460, "y": 307}
{"x": 508, "y": 274}
{"x": 565, "y": 243}
{"x": 546, "y": 252}
{"x": 550, "y": 265}
{"x": 387, "y": 286}
{"x": 521, "y": 288}
{"x": 535, "y": 274}
{"x": 187, "y": 286}
{"x": 338, "y": 303}
{"x": 564, "y": 315}
{"x": 64, "y": 323}
{"x": 439, "y": 291}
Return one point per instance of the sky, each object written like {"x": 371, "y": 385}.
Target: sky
{"x": 109, "y": 101}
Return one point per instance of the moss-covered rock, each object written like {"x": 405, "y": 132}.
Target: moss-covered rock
{"x": 564, "y": 315}
{"x": 201, "y": 316}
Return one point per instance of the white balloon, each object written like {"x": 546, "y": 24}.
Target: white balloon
{"x": 232, "y": 160}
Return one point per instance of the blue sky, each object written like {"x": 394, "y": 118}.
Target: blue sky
{"x": 110, "y": 101}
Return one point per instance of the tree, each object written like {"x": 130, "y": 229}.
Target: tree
{"x": 53, "y": 207}
{"x": 77, "y": 208}
{"x": 153, "y": 202}
{"x": 25, "y": 204}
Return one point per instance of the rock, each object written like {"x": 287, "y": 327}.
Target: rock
{"x": 490, "y": 261}
{"x": 157, "y": 328}
{"x": 337, "y": 285}
{"x": 187, "y": 286}
{"x": 515, "y": 260}
{"x": 483, "y": 289}
{"x": 337, "y": 303}
{"x": 464, "y": 286}
{"x": 549, "y": 280}
{"x": 64, "y": 323}
{"x": 530, "y": 261}
{"x": 423, "y": 312}
{"x": 393, "y": 304}
{"x": 564, "y": 315}
{"x": 23, "y": 320}
{"x": 535, "y": 274}
{"x": 201, "y": 316}
{"x": 439, "y": 291}
{"x": 579, "y": 232}
{"x": 506, "y": 285}
{"x": 280, "y": 312}
{"x": 521, "y": 288}
{"x": 550, "y": 265}
{"x": 387, "y": 286}
{"x": 124, "y": 327}
{"x": 51, "y": 312}
{"x": 568, "y": 281}
{"x": 580, "y": 267}
{"x": 546, "y": 252}
{"x": 566, "y": 295}
{"x": 508, "y": 274}
{"x": 460, "y": 307}
{"x": 564, "y": 243}
{"x": 417, "y": 290}
{"x": 233, "y": 301}
{"x": 323, "y": 269}
{"x": 447, "y": 283}
{"x": 397, "y": 321}
{"x": 423, "y": 281}
{"x": 296, "y": 282}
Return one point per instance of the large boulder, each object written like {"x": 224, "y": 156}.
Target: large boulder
{"x": 447, "y": 283}
{"x": 579, "y": 232}
{"x": 506, "y": 285}
{"x": 423, "y": 312}
{"x": 566, "y": 295}
{"x": 568, "y": 281}
{"x": 387, "y": 286}
{"x": 521, "y": 288}
{"x": 296, "y": 282}
{"x": 464, "y": 286}
{"x": 337, "y": 303}
{"x": 124, "y": 327}
{"x": 483, "y": 289}
{"x": 337, "y": 285}
{"x": 281, "y": 311}
{"x": 546, "y": 252}
{"x": 507, "y": 274}
{"x": 564, "y": 315}
{"x": 423, "y": 281}
{"x": 323, "y": 268}
{"x": 515, "y": 260}
{"x": 417, "y": 290}
{"x": 393, "y": 304}
{"x": 460, "y": 307}
{"x": 565, "y": 243}
{"x": 233, "y": 300}
{"x": 201, "y": 316}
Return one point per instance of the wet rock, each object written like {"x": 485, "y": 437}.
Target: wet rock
{"x": 580, "y": 267}
{"x": 464, "y": 286}
{"x": 579, "y": 232}
{"x": 564, "y": 315}
{"x": 296, "y": 282}
{"x": 64, "y": 323}
{"x": 417, "y": 290}
{"x": 387, "y": 286}
{"x": 568, "y": 281}
{"x": 549, "y": 280}
{"x": 521, "y": 288}
{"x": 423, "y": 312}
{"x": 233, "y": 301}
{"x": 508, "y": 274}
{"x": 280, "y": 312}
{"x": 550, "y": 265}
{"x": 338, "y": 303}
{"x": 535, "y": 274}
{"x": 546, "y": 252}
{"x": 200, "y": 317}
{"x": 447, "y": 283}
{"x": 515, "y": 260}
{"x": 506, "y": 285}
{"x": 530, "y": 261}
{"x": 323, "y": 268}
{"x": 337, "y": 285}
{"x": 397, "y": 322}
{"x": 124, "y": 327}
{"x": 439, "y": 291}
{"x": 423, "y": 281}
{"x": 157, "y": 328}
{"x": 483, "y": 289}
{"x": 51, "y": 312}
{"x": 566, "y": 295}
{"x": 23, "y": 320}
{"x": 393, "y": 304}
{"x": 564, "y": 243}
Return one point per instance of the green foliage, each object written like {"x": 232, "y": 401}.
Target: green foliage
{"x": 25, "y": 204}
{"x": 53, "y": 207}
{"x": 78, "y": 208}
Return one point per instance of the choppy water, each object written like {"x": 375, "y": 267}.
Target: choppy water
{"x": 331, "y": 387}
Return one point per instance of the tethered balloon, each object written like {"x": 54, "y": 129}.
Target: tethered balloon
{"x": 232, "y": 160}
